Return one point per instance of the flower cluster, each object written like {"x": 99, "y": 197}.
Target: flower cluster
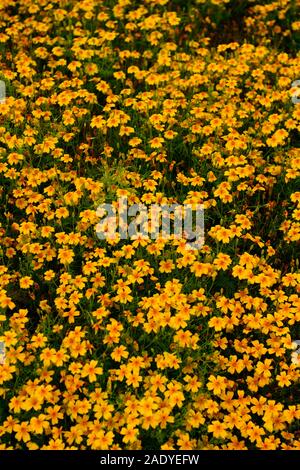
{"x": 144, "y": 344}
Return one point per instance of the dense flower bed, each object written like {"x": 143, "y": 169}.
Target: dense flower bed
{"x": 143, "y": 344}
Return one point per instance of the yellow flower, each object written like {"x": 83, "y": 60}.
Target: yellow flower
{"x": 222, "y": 261}
{"x": 217, "y": 384}
{"x": 283, "y": 379}
{"x": 91, "y": 370}
{"x": 166, "y": 266}
{"x": 38, "y": 424}
{"x": 119, "y": 353}
{"x": 218, "y": 429}
{"x": 25, "y": 282}
{"x": 129, "y": 434}
{"x": 22, "y": 431}
{"x": 65, "y": 255}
